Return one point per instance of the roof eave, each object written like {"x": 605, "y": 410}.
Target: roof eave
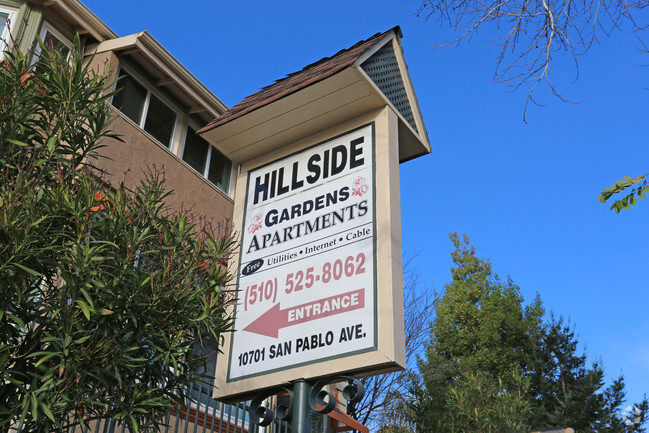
{"x": 330, "y": 102}
{"x": 145, "y": 45}
{"x": 83, "y": 17}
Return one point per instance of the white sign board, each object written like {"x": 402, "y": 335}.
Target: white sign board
{"x": 307, "y": 263}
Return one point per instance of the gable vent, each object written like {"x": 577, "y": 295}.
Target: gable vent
{"x": 383, "y": 69}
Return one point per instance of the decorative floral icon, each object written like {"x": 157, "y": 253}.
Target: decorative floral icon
{"x": 255, "y": 223}
{"x": 359, "y": 186}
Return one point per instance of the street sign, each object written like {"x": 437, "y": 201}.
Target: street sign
{"x": 307, "y": 276}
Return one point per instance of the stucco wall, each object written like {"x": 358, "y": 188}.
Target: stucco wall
{"x": 131, "y": 160}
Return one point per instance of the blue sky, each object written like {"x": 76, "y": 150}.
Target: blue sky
{"x": 526, "y": 194}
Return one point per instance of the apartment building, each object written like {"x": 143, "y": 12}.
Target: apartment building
{"x": 162, "y": 107}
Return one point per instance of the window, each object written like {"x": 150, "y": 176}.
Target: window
{"x": 140, "y": 105}
{"x": 206, "y": 160}
{"x": 53, "y": 41}
{"x": 6, "y": 20}
{"x": 202, "y": 392}
{"x": 144, "y": 107}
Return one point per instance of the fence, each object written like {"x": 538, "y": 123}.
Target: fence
{"x": 201, "y": 415}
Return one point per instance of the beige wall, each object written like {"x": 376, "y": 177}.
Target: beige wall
{"x": 130, "y": 160}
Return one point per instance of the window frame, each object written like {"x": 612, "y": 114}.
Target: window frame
{"x": 6, "y": 31}
{"x": 47, "y": 27}
{"x": 181, "y": 128}
{"x": 173, "y": 142}
{"x": 208, "y": 159}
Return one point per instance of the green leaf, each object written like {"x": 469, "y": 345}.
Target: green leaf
{"x": 34, "y": 402}
{"x": 51, "y": 143}
{"x": 82, "y": 339}
{"x": 17, "y": 320}
{"x": 45, "y": 358}
{"x": 84, "y": 308}
{"x": 87, "y": 296}
{"x": 28, "y": 270}
{"x": 48, "y": 412}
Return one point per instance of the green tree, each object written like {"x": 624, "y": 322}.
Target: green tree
{"x": 104, "y": 291}
{"x": 480, "y": 404}
{"x": 492, "y": 365}
{"x": 566, "y": 392}
{"x": 480, "y": 338}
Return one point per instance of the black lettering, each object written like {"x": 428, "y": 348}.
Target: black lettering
{"x": 340, "y": 217}
{"x": 332, "y": 198}
{"x": 337, "y": 165}
{"x": 355, "y": 152}
{"x": 261, "y": 188}
{"x": 273, "y": 183}
{"x": 281, "y": 188}
{"x": 295, "y": 184}
{"x": 362, "y": 208}
{"x": 326, "y": 220}
{"x": 287, "y": 233}
{"x": 253, "y": 244}
{"x": 276, "y": 239}
{"x": 343, "y": 194}
{"x": 319, "y": 202}
{"x": 310, "y": 227}
{"x": 359, "y": 331}
{"x": 271, "y": 218}
{"x": 295, "y": 211}
{"x": 325, "y": 164}
{"x": 314, "y": 168}
{"x": 284, "y": 216}
{"x": 307, "y": 207}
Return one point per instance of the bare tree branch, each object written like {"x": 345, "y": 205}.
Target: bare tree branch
{"x": 418, "y": 311}
{"x": 532, "y": 33}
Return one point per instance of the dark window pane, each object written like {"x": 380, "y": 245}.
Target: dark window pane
{"x": 52, "y": 43}
{"x": 220, "y": 169}
{"x": 202, "y": 392}
{"x": 195, "y": 153}
{"x": 130, "y": 99}
{"x": 160, "y": 121}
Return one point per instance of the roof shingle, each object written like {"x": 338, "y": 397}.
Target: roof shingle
{"x": 311, "y": 74}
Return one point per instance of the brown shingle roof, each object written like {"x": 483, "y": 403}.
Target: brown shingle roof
{"x": 311, "y": 74}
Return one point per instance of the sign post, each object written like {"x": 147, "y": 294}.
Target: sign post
{"x": 317, "y": 202}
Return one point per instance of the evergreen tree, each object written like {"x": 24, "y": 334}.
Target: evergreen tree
{"x": 492, "y": 365}
{"x": 566, "y": 392}
{"x": 480, "y": 339}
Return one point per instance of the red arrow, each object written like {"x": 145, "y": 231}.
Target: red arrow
{"x": 273, "y": 320}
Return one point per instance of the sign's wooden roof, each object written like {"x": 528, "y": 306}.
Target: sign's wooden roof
{"x": 311, "y": 74}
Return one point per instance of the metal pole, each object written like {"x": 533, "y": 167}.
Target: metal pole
{"x": 301, "y": 421}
